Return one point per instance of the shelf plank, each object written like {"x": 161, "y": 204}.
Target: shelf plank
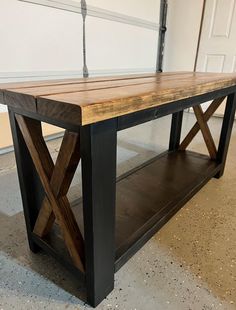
{"x": 148, "y": 197}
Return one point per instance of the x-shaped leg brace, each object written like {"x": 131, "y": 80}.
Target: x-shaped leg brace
{"x": 55, "y": 181}
{"x": 201, "y": 124}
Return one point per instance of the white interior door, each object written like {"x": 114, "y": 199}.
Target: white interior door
{"x": 217, "y": 51}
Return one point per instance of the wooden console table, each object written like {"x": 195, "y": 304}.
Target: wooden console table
{"x": 114, "y": 218}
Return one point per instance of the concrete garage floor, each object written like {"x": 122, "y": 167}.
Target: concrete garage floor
{"x": 189, "y": 264}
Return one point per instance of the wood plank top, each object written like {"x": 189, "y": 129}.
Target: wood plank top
{"x": 88, "y": 100}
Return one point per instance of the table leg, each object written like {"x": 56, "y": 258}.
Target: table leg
{"x": 175, "y": 133}
{"x": 98, "y": 155}
{"x": 226, "y": 131}
{"x": 32, "y": 133}
{"x": 31, "y": 189}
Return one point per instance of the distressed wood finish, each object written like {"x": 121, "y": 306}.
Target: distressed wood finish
{"x": 61, "y": 208}
{"x": 63, "y": 173}
{"x": 75, "y": 80}
{"x": 86, "y": 101}
{"x": 205, "y": 131}
{"x": 193, "y": 132}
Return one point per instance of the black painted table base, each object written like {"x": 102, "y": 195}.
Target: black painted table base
{"x": 116, "y": 217}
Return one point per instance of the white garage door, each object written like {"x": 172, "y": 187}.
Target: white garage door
{"x": 42, "y": 39}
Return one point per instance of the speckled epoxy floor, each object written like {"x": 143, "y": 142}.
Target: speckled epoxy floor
{"x": 189, "y": 264}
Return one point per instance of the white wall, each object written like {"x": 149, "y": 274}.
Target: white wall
{"x": 183, "y": 24}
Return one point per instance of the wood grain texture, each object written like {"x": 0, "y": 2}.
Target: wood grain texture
{"x": 97, "y": 105}
{"x": 49, "y": 90}
{"x": 21, "y": 101}
{"x": 87, "y": 101}
{"x": 195, "y": 129}
{"x": 62, "y": 175}
{"x": 61, "y": 208}
{"x": 143, "y": 195}
{"x": 205, "y": 131}
{"x": 142, "y": 213}
{"x": 17, "y": 85}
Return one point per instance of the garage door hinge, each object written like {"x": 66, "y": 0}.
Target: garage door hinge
{"x": 84, "y": 14}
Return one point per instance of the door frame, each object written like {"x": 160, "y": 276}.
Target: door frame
{"x": 200, "y": 33}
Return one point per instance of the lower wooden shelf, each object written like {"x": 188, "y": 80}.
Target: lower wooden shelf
{"x": 146, "y": 198}
{"x": 150, "y": 196}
